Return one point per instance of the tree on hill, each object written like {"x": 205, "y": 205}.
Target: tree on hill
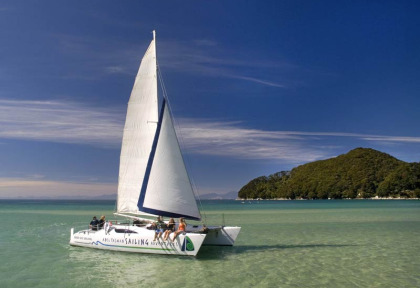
{"x": 405, "y": 181}
{"x": 361, "y": 173}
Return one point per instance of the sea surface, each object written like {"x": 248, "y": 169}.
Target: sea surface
{"x": 331, "y": 243}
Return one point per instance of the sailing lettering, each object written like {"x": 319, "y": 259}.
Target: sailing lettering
{"x": 141, "y": 242}
{"x": 137, "y": 242}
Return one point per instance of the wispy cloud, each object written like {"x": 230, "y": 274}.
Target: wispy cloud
{"x": 36, "y": 188}
{"x": 58, "y": 121}
{"x": 69, "y": 122}
{"x": 201, "y": 56}
{"x": 390, "y": 138}
{"x": 264, "y": 82}
{"x": 208, "y": 58}
{"x": 233, "y": 140}
{"x": 205, "y": 42}
{"x": 85, "y": 60}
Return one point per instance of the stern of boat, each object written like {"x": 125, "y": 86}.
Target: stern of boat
{"x": 222, "y": 235}
{"x": 71, "y": 235}
{"x": 189, "y": 244}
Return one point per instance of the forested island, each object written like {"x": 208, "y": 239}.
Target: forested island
{"x": 361, "y": 173}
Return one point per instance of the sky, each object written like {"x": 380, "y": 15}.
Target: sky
{"x": 256, "y": 87}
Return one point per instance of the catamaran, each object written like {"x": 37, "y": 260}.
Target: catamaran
{"x": 153, "y": 180}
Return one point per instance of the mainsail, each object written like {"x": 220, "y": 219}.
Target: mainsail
{"x": 152, "y": 178}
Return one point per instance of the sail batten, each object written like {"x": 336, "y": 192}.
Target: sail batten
{"x": 153, "y": 178}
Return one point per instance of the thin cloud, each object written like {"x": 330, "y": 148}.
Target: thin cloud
{"x": 88, "y": 62}
{"x": 264, "y": 82}
{"x": 232, "y": 140}
{"x": 117, "y": 70}
{"x": 392, "y": 139}
{"x": 200, "y": 56}
{"x": 74, "y": 123}
{"x": 205, "y": 42}
{"x": 59, "y": 121}
{"x": 35, "y": 188}
{"x": 203, "y": 56}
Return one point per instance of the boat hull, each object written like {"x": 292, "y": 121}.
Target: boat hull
{"x": 217, "y": 235}
{"x": 222, "y": 236}
{"x": 138, "y": 240}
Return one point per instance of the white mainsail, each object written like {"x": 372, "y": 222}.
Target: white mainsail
{"x": 152, "y": 178}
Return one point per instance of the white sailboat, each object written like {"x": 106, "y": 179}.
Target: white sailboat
{"x": 153, "y": 180}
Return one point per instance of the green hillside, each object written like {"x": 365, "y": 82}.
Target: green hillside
{"x": 361, "y": 173}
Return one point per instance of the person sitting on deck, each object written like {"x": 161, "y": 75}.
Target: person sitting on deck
{"x": 101, "y": 222}
{"x": 169, "y": 229}
{"x": 181, "y": 228}
{"x": 94, "y": 224}
{"x": 160, "y": 226}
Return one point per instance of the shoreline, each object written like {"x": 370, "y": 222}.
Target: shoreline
{"x": 302, "y": 199}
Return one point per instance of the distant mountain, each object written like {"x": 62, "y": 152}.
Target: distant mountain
{"x": 215, "y": 196}
{"x": 107, "y": 197}
{"x": 361, "y": 173}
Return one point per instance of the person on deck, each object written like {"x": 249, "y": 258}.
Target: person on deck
{"x": 101, "y": 222}
{"x": 169, "y": 229}
{"x": 94, "y": 224}
{"x": 160, "y": 226}
{"x": 181, "y": 228}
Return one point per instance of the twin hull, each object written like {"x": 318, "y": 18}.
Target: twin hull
{"x": 141, "y": 240}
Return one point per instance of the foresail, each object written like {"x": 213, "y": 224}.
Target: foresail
{"x": 166, "y": 187}
{"x": 139, "y": 132}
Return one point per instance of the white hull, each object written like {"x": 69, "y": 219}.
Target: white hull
{"x": 222, "y": 236}
{"x": 138, "y": 240}
{"x": 217, "y": 235}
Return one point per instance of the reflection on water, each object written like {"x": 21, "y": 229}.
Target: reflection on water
{"x": 116, "y": 268}
{"x": 211, "y": 252}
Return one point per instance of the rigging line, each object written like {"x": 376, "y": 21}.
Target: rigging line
{"x": 181, "y": 139}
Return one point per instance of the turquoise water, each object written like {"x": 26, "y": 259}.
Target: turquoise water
{"x": 347, "y": 243}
